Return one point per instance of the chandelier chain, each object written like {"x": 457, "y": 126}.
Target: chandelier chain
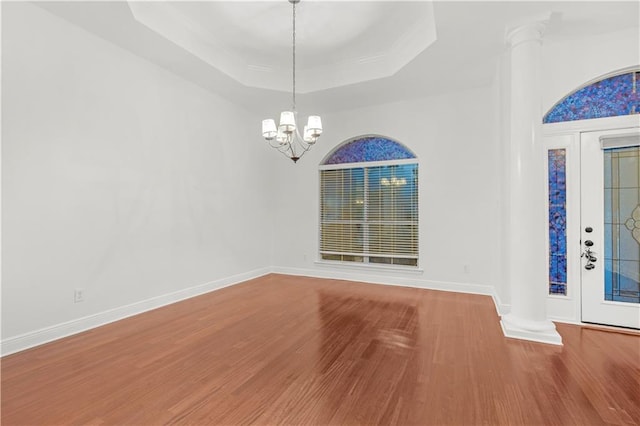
{"x": 290, "y": 139}
{"x": 294, "y": 57}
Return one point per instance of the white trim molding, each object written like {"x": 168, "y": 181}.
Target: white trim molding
{"x": 58, "y": 331}
{"x": 49, "y": 334}
{"x": 594, "y": 124}
{"x": 394, "y": 280}
{"x": 357, "y": 266}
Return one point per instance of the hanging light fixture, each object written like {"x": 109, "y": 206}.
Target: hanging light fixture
{"x": 286, "y": 136}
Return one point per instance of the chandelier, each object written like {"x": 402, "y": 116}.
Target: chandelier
{"x": 286, "y": 136}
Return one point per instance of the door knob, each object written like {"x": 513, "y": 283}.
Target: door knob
{"x": 589, "y": 254}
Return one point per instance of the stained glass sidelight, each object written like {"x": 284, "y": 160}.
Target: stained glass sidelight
{"x": 613, "y": 96}
{"x": 622, "y": 224}
{"x": 369, "y": 148}
{"x": 557, "y": 222}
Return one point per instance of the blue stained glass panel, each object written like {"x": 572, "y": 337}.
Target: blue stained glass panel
{"x": 557, "y": 221}
{"x": 613, "y": 96}
{"x": 369, "y": 148}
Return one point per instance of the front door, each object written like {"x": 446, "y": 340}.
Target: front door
{"x": 610, "y": 227}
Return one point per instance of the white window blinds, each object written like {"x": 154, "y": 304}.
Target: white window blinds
{"x": 370, "y": 214}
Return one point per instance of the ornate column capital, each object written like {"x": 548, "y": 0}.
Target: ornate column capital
{"x": 531, "y": 29}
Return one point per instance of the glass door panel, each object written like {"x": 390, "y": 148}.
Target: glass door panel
{"x": 621, "y": 234}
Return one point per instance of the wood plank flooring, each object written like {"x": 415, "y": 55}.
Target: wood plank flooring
{"x": 292, "y": 350}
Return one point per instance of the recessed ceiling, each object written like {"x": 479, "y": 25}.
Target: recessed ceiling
{"x": 337, "y": 44}
{"x": 470, "y": 39}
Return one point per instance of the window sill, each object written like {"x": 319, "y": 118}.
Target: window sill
{"x": 368, "y": 267}
{"x": 559, "y": 296}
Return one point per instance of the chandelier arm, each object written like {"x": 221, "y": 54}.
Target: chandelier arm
{"x": 286, "y": 148}
{"x": 302, "y": 153}
{"x": 290, "y": 143}
{"x": 285, "y": 154}
{"x": 304, "y": 144}
{"x": 271, "y": 144}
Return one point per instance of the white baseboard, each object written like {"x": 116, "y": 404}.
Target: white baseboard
{"x": 482, "y": 289}
{"x": 502, "y": 308}
{"x": 566, "y": 320}
{"x": 58, "y": 331}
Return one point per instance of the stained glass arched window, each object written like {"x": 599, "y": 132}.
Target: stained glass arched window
{"x": 609, "y": 97}
{"x": 369, "y": 203}
{"x": 368, "y": 148}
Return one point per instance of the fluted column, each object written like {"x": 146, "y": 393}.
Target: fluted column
{"x": 528, "y": 270}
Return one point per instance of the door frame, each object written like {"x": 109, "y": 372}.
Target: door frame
{"x": 568, "y": 309}
{"x": 593, "y": 305}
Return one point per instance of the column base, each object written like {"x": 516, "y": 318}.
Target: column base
{"x": 536, "y": 331}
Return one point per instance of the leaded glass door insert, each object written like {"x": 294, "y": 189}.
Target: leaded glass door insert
{"x": 622, "y": 224}
{"x": 610, "y": 222}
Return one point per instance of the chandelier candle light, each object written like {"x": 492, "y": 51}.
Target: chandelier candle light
{"x": 286, "y": 136}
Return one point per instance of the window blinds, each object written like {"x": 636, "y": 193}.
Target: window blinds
{"x": 370, "y": 214}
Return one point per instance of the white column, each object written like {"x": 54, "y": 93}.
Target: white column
{"x": 527, "y": 270}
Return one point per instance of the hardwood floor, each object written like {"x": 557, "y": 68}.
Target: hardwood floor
{"x": 292, "y": 350}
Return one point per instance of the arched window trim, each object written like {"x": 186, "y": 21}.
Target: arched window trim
{"x": 623, "y": 71}
{"x": 365, "y": 136}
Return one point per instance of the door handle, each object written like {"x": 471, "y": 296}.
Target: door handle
{"x": 589, "y": 255}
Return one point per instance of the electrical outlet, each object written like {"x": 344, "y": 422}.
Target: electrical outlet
{"x": 78, "y": 295}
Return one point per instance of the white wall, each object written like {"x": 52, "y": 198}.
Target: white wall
{"x": 455, "y": 140}
{"x": 569, "y": 64}
{"x": 118, "y": 177}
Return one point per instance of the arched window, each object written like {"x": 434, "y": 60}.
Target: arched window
{"x": 369, "y": 203}
{"x": 609, "y": 97}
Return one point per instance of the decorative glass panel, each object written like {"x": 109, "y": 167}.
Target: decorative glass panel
{"x": 622, "y": 224}
{"x": 369, "y": 148}
{"x": 557, "y": 222}
{"x": 610, "y": 97}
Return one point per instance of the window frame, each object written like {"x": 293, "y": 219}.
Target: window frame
{"x": 365, "y": 263}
